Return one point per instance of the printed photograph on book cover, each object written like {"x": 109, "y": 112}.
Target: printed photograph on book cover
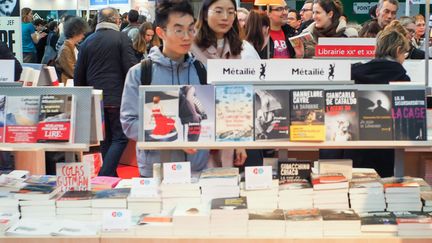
{"x": 22, "y": 116}
{"x": 271, "y": 114}
{"x": 196, "y": 112}
{"x": 234, "y": 113}
{"x": 375, "y": 115}
{"x": 161, "y": 116}
{"x": 341, "y": 115}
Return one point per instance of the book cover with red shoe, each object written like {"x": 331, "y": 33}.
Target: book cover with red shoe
{"x": 161, "y": 115}
{"x": 22, "y": 116}
{"x": 56, "y": 119}
{"x": 196, "y": 112}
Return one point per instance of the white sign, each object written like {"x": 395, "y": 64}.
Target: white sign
{"x": 10, "y": 33}
{"x": 116, "y": 220}
{"x": 418, "y": 1}
{"x": 280, "y": 70}
{"x": 144, "y": 187}
{"x": 362, "y": 7}
{"x": 258, "y": 177}
{"x": 7, "y": 70}
{"x": 177, "y": 172}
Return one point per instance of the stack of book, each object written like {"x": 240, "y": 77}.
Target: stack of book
{"x": 413, "y": 223}
{"x": 304, "y": 223}
{"x": 7, "y": 219}
{"x": 75, "y": 205}
{"x": 191, "y": 220}
{"x": 261, "y": 199}
{"x": 38, "y": 207}
{"x": 109, "y": 199}
{"x": 174, "y": 194}
{"x": 229, "y": 217}
{"x": 330, "y": 191}
{"x": 378, "y": 223}
{"x": 426, "y": 197}
{"x": 366, "y": 192}
{"x": 8, "y": 203}
{"x": 156, "y": 224}
{"x": 402, "y": 194}
{"x": 219, "y": 183}
{"x": 144, "y": 205}
{"x": 266, "y": 223}
{"x": 295, "y": 194}
{"x": 340, "y": 222}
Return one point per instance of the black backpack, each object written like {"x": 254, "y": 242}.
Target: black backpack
{"x": 146, "y": 72}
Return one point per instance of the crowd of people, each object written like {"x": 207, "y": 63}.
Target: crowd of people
{"x": 106, "y": 52}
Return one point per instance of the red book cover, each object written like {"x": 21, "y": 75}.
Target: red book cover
{"x": 328, "y": 178}
{"x": 22, "y": 119}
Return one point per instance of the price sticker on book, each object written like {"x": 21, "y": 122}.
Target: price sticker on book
{"x": 258, "y": 177}
{"x": 116, "y": 220}
{"x": 144, "y": 187}
{"x": 177, "y": 172}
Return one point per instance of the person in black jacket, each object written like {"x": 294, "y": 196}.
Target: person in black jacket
{"x": 5, "y": 53}
{"x": 390, "y": 53}
{"x": 103, "y": 62}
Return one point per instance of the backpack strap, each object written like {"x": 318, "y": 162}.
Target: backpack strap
{"x": 201, "y": 71}
{"x": 146, "y": 71}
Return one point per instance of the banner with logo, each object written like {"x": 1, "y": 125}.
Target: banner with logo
{"x": 279, "y": 70}
{"x": 10, "y": 27}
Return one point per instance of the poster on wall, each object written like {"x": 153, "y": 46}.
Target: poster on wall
{"x": 118, "y": 2}
{"x": 98, "y": 2}
{"x": 146, "y": 8}
{"x": 10, "y": 26}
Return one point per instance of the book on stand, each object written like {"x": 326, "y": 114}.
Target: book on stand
{"x": 22, "y": 117}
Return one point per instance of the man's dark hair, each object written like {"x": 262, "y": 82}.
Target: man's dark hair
{"x": 75, "y": 26}
{"x": 298, "y": 17}
{"x": 52, "y": 25}
{"x": 38, "y": 22}
{"x": 167, "y": 7}
{"x": 372, "y": 11}
{"x": 133, "y": 16}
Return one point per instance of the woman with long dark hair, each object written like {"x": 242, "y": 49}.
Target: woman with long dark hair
{"x": 257, "y": 31}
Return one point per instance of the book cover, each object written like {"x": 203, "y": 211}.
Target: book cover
{"x": 95, "y": 161}
{"x": 293, "y": 171}
{"x": 22, "y": 117}
{"x": 116, "y": 193}
{"x": 163, "y": 217}
{"x": 332, "y": 214}
{"x": 271, "y": 114}
{"x": 376, "y": 122}
{"x": 328, "y": 178}
{"x": 161, "y": 116}
{"x": 234, "y": 203}
{"x": 42, "y": 179}
{"x": 56, "y": 118}
{"x": 76, "y": 195}
{"x": 222, "y": 172}
{"x": 234, "y": 113}
{"x": 378, "y": 218}
{"x": 343, "y": 166}
{"x": 297, "y": 40}
{"x": 2, "y": 117}
{"x": 196, "y": 112}
{"x": 409, "y": 115}
{"x": 341, "y": 115}
{"x": 307, "y": 115}
{"x": 395, "y": 182}
{"x": 105, "y": 182}
{"x": 277, "y": 214}
{"x": 311, "y": 214}
{"x": 73, "y": 176}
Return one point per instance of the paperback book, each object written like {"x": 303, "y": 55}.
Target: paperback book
{"x": 161, "y": 116}
{"x": 293, "y": 171}
{"x": 56, "y": 119}
{"x": 409, "y": 115}
{"x": 196, "y": 112}
{"x": 234, "y": 113}
{"x": 307, "y": 115}
{"x": 376, "y": 121}
{"x": 271, "y": 114}
{"x": 73, "y": 176}
{"x": 22, "y": 117}
{"x": 341, "y": 115}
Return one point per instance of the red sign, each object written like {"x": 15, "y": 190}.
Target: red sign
{"x": 361, "y": 51}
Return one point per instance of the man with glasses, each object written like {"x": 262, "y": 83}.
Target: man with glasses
{"x": 306, "y": 14}
{"x": 103, "y": 61}
{"x": 280, "y": 47}
{"x": 168, "y": 65}
{"x": 294, "y": 20}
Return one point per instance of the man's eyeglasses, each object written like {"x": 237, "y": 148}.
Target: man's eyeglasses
{"x": 182, "y": 33}
{"x": 231, "y": 13}
{"x": 280, "y": 9}
{"x": 305, "y": 9}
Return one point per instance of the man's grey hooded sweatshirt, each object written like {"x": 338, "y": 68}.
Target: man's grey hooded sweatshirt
{"x": 165, "y": 72}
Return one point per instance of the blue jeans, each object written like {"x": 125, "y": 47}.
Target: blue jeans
{"x": 115, "y": 142}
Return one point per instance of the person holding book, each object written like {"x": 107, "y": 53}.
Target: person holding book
{"x": 328, "y": 22}
{"x": 218, "y": 38}
{"x": 175, "y": 26}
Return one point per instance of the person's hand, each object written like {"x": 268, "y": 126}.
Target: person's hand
{"x": 190, "y": 151}
{"x": 299, "y": 50}
{"x": 42, "y": 35}
{"x": 240, "y": 157}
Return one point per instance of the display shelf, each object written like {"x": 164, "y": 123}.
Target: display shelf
{"x": 421, "y": 145}
{"x": 47, "y": 239}
{"x": 53, "y": 147}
